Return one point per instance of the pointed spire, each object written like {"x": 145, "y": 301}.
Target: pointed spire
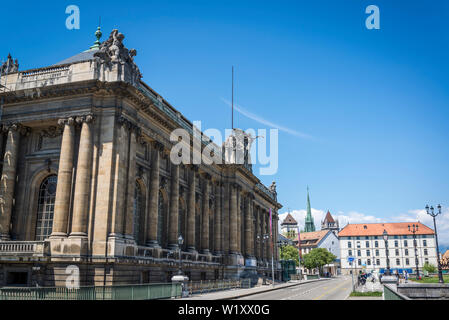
{"x": 98, "y": 34}
{"x": 309, "y": 224}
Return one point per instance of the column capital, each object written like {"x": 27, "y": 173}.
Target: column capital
{"x": 17, "y": 127}
{"x": 88, "y": 118}
{"x": 69, "y": 121}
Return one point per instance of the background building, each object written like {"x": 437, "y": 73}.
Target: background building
{"x": 321, "y": 239}
{"x": 87, "y": 180}
{"x": 365, "y": 243}
{"x": 289, "y": 227}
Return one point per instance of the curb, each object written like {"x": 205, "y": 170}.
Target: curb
{"x": 272, "y": 289}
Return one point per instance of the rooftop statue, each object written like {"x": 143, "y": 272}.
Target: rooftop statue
{"x": 9, "y": 66}
{"x": 112, "y": 51}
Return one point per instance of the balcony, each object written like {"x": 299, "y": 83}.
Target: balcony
{"x": 23, "y": 248}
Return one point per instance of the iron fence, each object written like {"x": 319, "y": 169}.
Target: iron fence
{"x": 122, "y": 292}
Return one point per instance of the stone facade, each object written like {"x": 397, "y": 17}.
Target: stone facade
{"x": 87, "y": 180}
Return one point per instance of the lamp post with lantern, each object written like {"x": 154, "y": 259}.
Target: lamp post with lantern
{"x": 433, "y": 214}
{"x": 413, "y": 229}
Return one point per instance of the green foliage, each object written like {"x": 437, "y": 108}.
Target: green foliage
{"x": 430, "y": 268}
{"x": 290, "y": 252}
{"x": 317, "y": 258}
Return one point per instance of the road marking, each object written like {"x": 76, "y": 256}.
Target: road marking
{"x": 329, "y": 291}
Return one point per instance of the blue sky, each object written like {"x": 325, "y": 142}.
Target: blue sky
{"x": 374, "y": 102}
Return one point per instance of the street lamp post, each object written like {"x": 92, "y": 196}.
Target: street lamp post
{"x": 385, "y": 236}
{"x": 180, "y": 242}
{"x": 433, "y": 215}
{"x": 413, "y": 230}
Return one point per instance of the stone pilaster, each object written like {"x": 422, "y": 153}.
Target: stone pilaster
{"x": 239, "y": 220}
{"x": 205, "y": 222}
{"x": 233, "y": 246}
{"x": 191, "y": 210}
{"x": 154, "y": 196}
{"x": 131, "y": 181}
{"x": 8, "y": 177}
{"x": 83, "y": 178}
{"x": 248, "y": 222}
{"x": 218, "y": 218}
{"x": 226, "y": 221}
{"x": 65, "y": 172}
{"x": 174, "y": 209}
{"x": 120, "y": 176}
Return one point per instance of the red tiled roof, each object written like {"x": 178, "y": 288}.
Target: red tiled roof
{"x": 376, "y": 229}
{"x": 289, "y": 220}
{"x": 329, "y": 218}
{"x": 311, "y": 239}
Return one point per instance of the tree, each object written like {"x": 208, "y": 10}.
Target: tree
{"x": 290, "y": 252}
{"x": 430, "y": 268}
{"x": 317, "y": 258}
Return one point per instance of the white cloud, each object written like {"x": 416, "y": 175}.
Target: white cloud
{"x": 268, "y": 123}
{"x": 357, "y": 217}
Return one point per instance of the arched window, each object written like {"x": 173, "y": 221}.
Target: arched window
{"x": 137, "y": 211}
{"x": 46, "y": 207}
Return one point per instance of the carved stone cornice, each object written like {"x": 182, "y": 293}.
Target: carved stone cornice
{"x": 158, "y": 146}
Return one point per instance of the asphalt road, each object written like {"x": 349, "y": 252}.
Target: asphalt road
{"x": 334, "y": 289}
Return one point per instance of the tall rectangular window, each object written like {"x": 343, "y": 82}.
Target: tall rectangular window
{"x": 367, "y": 244}
{"x": 349, "y": 244}
{"x": 376, "y": 244}
{"x": 424, "y": 243}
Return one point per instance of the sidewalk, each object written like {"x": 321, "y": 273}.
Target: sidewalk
{"x": 238, "y": 293}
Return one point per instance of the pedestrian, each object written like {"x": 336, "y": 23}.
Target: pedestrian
{"x": 405, "y": 275}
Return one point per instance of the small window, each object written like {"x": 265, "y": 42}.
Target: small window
{"x": 378, "y": 262}
{"x": 376, "y": 244}
{"x": 396, "y": 243}
{"x": 398, "y": 262}
{"x": 368, "y": 262}
{"x": 349, "y": 244}
{"x": 396, "y": 252}
{"x": 425, "y": 252}
{"x": 405, "y": 243}
{"x": 424, "y": 243}
{"x": 377, "y": 253}
{"x": 407, "y": 261}
{"x": 367, "y": 244}
{"x": 359, "y": 262}
{"x": 359, "y": 254}
{"x": 406, "y": 252}
{"x": 368, "y": 253}
{"x": 350, "y": 253}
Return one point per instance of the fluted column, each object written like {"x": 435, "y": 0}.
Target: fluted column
{"x": 217, "y": 220}
{"x": 191, "y": 210}
{"x": 83, "y": 178}
{"x": 121, "y": 175}
{"x": 131, "y": 181}
{"x": 233, "y": 247}
{"x": 268, "y": 242}
{"x": 8, "y": 179}
{"x": 64, "y": 185}
{"x": 205, "y": 224}
{"x": 174, "y": 209}
{"x": 154, "y": 196}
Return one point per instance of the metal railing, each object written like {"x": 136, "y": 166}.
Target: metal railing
{"x": 122, "y": 292}
{"x": 206, "y": 286}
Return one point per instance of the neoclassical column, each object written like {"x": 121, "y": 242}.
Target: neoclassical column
{"x": 154, "y": 196}
{"x": 131, "y": 181}
{"x": 8, "y": 178}
{"x": 83, "y": 178}
{"x": 233, "y": 247}
{"x": 248, "y": 222}
{"x": 205, "y": 222}
{"x": 239, "y": 220}
{"x": 65, "y": 173}
{"x": 226, "y": 221}
{"x": 263, "y": 234}
{"x": 191, "y": 210}
{"x": 121, "y": 172}
{"x": 174, "y": 208}
{"x": 268, "y": 242}
{"x": 259, "y": 234}
{"x": 218, "y": 218}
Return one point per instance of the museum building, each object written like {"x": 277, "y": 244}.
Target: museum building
{"x": 87, "y": 180}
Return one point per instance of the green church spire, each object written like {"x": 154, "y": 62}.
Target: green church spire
{"x": 309, "y": 224}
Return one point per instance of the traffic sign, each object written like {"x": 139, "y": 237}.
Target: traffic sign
{"x": 350, "y": 259}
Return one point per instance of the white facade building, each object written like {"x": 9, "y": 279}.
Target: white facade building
{"x": 365, "y": 243}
